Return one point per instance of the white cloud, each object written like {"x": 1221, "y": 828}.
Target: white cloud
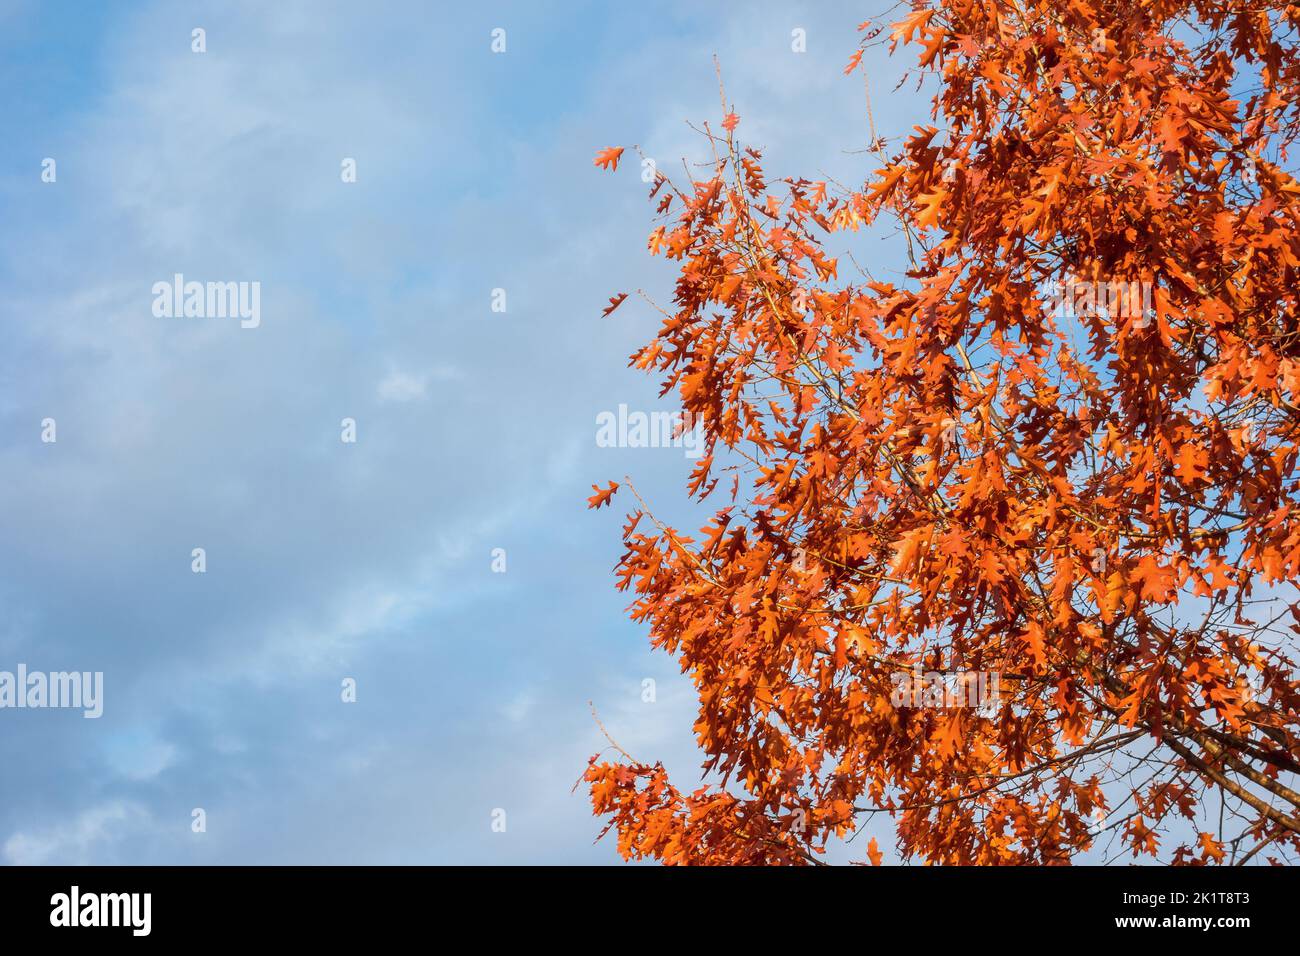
{"x": 402, "y": 386}
{"x": 77, "y": 840}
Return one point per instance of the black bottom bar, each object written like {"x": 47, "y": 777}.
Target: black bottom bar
{"x": 366, "y": 904}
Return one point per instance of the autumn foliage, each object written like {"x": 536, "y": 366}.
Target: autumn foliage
{"x": 952, "y": 473}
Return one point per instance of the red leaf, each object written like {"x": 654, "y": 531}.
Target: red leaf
{"x": 614, "y": 302}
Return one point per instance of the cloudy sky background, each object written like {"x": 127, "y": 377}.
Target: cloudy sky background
{"x": 476, "y": 430}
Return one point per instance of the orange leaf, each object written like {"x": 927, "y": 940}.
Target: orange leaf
{"x": 602, "y": 495}
{"x": 929, "y": 213}
{"x": 873, "y": 852}
{"x": 608, "y": 158}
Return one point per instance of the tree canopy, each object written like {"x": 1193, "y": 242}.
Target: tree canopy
{"x": 1059, "y": 453}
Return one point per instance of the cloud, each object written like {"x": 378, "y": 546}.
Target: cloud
{"x": 401, "y": 386}
{"x": 77, "y": 841}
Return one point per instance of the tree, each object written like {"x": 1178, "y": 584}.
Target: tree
{"x": 1060, "y": 455}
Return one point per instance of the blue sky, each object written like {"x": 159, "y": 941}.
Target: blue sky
{"x": 476, "y": 430}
